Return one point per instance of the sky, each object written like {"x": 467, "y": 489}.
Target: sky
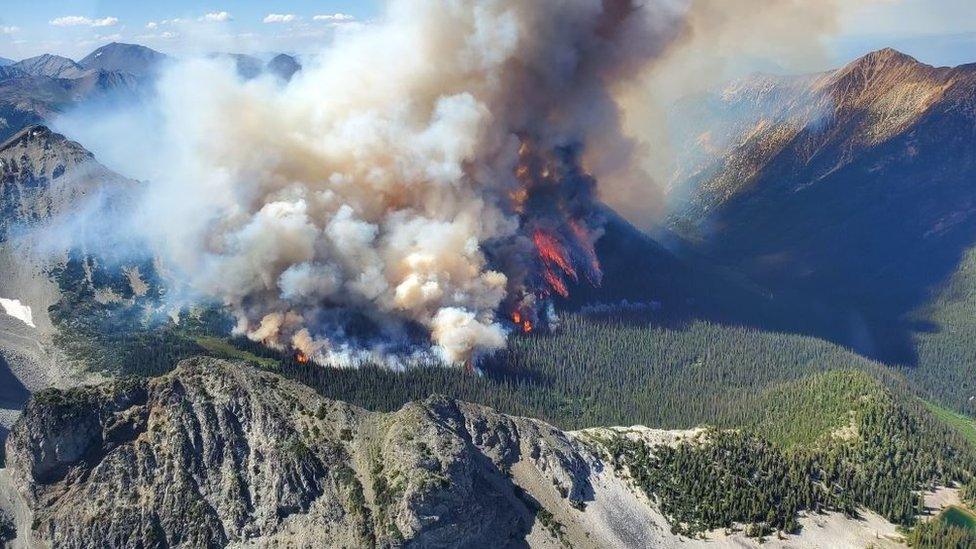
{"x": 74, "y": 28}
{"x": 939, "y": 32}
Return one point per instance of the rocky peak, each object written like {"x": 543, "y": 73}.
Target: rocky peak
{"x": 53, "y": 66}
{"x": 888, "y": 79}
{"x": 43, "y": 174}
{"x": 36, "y": 152}
{"x": 125, "y": 58}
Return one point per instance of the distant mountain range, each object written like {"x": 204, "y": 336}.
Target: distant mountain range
{"x": 34, "y": 90}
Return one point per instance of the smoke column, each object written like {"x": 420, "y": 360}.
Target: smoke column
{"x": 428, "y": 178}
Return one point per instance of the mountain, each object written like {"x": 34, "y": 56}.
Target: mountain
{"x": 27, "y": 100}
{"x": 131, "y": 59}
{"x": 196, "y": 437}
{"x": 44, "y": 177}
{"x": 218, "y": 453}
{"x": 53, "y": 66}
{"x": 247, "y": 66}
{"x": 4, "y": 61}
{"x": 283, "y": 66}
{"x": 852, "y": 187}
{"x": 35, "y": 90}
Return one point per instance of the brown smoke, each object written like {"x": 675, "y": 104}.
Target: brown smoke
{"x": 428, "y": 178}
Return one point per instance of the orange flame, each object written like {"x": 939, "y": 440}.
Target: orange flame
{"x": 523, "y": 323}
{"x": 301, "y": 357}
{"x": 554, "y": 259}
{"x": 552, "y": 253}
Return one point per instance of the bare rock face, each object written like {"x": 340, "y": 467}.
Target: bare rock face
{"x": 217, "y": 453}
{"x": 43, "y": 174}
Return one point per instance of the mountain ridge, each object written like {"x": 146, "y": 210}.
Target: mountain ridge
{"x": 127, "y": 58}
{"x": 53, "y": 66}
{"x": 222, "y": 453}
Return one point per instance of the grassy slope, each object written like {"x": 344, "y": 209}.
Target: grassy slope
{"x": 807, "y": 411}
{"x": 965, "y": 425}
{"x": 223, "y": 348}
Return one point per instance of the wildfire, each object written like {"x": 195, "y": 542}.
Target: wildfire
{"x": 523, "y": 323}
{"x": 301, "y": 357}
{"x": 583, "y": 240}
{"x": 555, "y": 199}
{"x": 555, "y": 262}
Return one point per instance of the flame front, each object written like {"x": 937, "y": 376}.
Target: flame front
{"x": 555, "y": 199}
{"x": 301, "y": 357}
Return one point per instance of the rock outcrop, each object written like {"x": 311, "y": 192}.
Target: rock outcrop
{"x": 218, "y": 453}
{"x": 221, "y": 454}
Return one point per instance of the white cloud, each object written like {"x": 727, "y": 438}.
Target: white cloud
{"x": 106, "y": 22}
{"x": 71, "y": 21}
{"x": 152, "y": 25}
{"x": 9, "y": 30}
{"x": 335, "y": 18}
{"x": 216, "y": 17}
{"x": 280, "y": 18}
{"x": 81, "y": 21}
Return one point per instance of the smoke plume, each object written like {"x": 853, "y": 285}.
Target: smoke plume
{"x": 425, "y": 179}
{"x": 425, "y": 185}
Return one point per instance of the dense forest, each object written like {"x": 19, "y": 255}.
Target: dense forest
{"x": 816, "y": 427}
{"x": 881, "y": 461}
{"x": 946, "y": 340}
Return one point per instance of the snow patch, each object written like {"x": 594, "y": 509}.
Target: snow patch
{"x": 14, "y": 308}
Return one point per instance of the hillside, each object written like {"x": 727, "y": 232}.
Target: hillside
{"x": 851, "y": 187}
{"x": 44, "y": 178}
{"x": 257, "y": 460}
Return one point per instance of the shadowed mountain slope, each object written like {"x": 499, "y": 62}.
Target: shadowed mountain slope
{"x": 854, "y": 187}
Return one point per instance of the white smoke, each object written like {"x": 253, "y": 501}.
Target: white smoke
{"x": 374, "y": 183}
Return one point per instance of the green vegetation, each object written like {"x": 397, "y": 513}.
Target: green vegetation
{"x": 103, "y": 325}
{"x": 890, "y": 453}
{"x": 946, "y": 365}
{"x": 818, "y": 427}
{"x": 968, "y": 493}
{"x": 223, "y": 348}
{"x": 937, "y": 534}
{"x": 726, "y": 478}
{"x": 807, "y": 411}
{"x": 954, "y": 528}
{"x": 594, "y": 372}
{"x": 965, "y": 425}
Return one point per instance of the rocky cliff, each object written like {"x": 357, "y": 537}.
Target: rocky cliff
{"x": 219, "y": 454}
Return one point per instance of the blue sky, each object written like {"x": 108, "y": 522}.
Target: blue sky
{"x": 941, "y": 32}
{"x": 75, "y": 27}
